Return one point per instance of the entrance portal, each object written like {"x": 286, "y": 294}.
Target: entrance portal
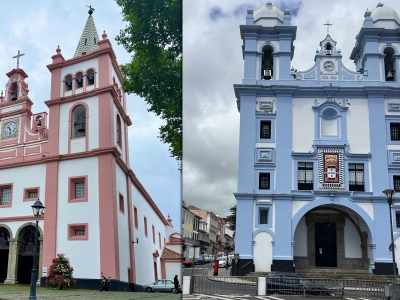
{"x": 4, "y": 245}
{"x": 25, "y": 259}
{"x": 325, "y": 245}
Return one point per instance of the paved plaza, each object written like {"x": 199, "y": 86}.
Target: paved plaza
{"x": 250, "y": 297}
{"x": 21, "y": 292}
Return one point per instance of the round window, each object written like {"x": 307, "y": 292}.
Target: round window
{"x": 329, "y": 114}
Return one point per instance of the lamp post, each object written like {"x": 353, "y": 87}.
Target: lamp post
{"x": 38, "y": 210}
{"x": 389, "y": 196}
{"x": 137, "y": 240}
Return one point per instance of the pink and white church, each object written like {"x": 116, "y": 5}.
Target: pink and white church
{"x": 75, "y": 159}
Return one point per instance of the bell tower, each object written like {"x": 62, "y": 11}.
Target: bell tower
{"x": 88, "y": 128}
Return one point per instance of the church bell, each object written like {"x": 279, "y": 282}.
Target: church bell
{"x": 389, "y": 76}
{"x": 267, "y": 75}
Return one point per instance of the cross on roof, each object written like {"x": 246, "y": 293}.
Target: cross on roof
{"x": 327, "y": 24}
{"x": 17, "y": 57}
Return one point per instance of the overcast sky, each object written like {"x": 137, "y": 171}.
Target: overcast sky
{"x": 37, "y": 28}
{"x": 213, "y": 62}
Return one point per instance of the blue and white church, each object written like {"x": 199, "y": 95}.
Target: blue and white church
{"x": 317, "y": 148}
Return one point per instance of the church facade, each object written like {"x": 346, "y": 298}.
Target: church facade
{"x": 317, "y": 148}
{"x": 75, "y": 159}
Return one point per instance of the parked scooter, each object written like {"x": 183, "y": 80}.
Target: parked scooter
{"x": 104, "y": 283}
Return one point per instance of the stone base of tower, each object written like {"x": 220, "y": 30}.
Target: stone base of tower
{"x": 243, "y": 267}
{"x": 384, "y": 269}
{"x": 282, "y": 265}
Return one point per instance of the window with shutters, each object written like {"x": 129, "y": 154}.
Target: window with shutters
{"x": 356, "y": 177}
{"x": 305, "y": 176}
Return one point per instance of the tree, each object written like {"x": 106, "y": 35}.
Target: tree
{"x": 154, "y": 36}
{"x": 231, "y": 219}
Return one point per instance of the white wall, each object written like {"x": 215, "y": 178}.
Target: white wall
{"x": 33, "y": 176}
{"x": 303, "y": 124}
{"x": 300, "y": 239}
{"x": 352, "y": 241}
{"x": 172, "y": 269}
{"x": 358, "y": 126}
{"x": 84, "y": 255}
{"x": 144, "y": 250}
{"x": 93, "y": 128}
{"x": 263, "y": 252}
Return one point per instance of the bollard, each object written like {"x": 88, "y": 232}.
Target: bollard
{"x": 216, "y": 267}
{"x": 262, "y": 286}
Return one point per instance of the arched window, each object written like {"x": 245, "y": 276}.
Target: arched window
{"x": 328, "y": 49}
{"x": 119, "y": 132}
{"x": 90, "y": 77}
{"x": 68, "y": 83}
{"x": 79, "y": 121}
{"x": 267, "y": 68}
{"x": 389, "y": 64}
{"x": 79, "y": 80}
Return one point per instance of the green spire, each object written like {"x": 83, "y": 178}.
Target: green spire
{"x": 89, "y": 38}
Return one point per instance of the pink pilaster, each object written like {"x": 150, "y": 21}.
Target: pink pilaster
{"x": 109, "y": 247}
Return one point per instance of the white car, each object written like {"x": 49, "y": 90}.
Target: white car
{"x": 222, "y": 261}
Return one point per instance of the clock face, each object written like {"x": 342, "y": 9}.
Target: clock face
{"x": 329, "y": 66}
{"x": 10, "y": 129}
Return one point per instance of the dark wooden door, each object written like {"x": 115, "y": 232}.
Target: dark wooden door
{"x": 325, "y": 245}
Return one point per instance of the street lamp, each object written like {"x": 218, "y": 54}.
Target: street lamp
{"x": 389, "y": 196}
{"x": 137, "y": 240}
{"x": 38, "y": 210}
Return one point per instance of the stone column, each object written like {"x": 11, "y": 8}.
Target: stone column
{"x": 12, "y": 268}
{"x": 40, "y": 240}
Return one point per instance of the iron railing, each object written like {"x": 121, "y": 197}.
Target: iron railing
{"x": 224, "y": 285}
{"x": 307, "y": 287}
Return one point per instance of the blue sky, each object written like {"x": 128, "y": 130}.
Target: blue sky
{"x": 36, "y": 28}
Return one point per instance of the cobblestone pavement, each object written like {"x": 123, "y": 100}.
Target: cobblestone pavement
{"x": 22, "y": 293}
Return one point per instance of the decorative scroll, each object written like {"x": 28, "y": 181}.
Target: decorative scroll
{"x": 330, "y": 168}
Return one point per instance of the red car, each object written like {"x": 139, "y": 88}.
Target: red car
{"x": 187, "y": 262}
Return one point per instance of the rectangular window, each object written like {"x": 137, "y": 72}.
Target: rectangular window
{"x": 32, "y": 195}
{"x": 265, "y": 130}
{"x": 305, "y": 176}
{"x": 78, "y": 231}
{"x": 356, "y": 177}
{"x": 154, "y": 234}
{"x": 79, "y": 190}
{"x": 159, "y": 239}
{"x": 5, "y": 196}
{"x": 263, "y": 183}
{"x": 394, "y": 131}
{"x": 263, "y": 216}
{"x": 397, "y": 219}
{"x": 145, "y": 226}
{"x": 121, "y": 204}
{"x": 135, "y": 213}
{"x": 396, "y": 183}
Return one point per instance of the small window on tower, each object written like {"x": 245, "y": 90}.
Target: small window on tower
{"x": 85, "y": 41}
{"x": 95, "y": 41}
{"x": 68, "y": 83}
{"x": 79, "y": 80}
{"x": 119, "y": 132}
{"x": 79, "y": 121}
{"x": 90, "y": 77}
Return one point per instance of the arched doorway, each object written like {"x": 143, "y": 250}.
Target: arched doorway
{"x": 26, "y": 237}
{"x": 4, "y": 252}
{"x": 263, "y": 252}
{"x": 331, "y": 236}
